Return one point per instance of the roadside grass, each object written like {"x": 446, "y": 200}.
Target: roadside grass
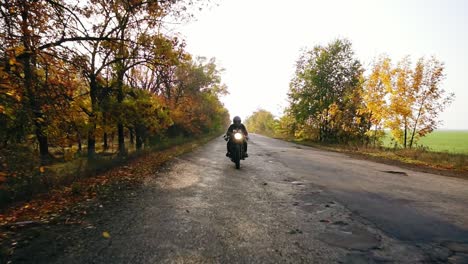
{"x": 444, "y": 163}
{"x": 63, "y": 173}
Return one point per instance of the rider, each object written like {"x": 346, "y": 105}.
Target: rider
{"x": 236, "y": 124}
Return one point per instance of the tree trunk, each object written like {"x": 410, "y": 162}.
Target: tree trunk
{"x": 412, "y": 137}
{"x": 105, "y": 144}
{"x": 80, "y": 147}
{"x": 92, "y": 118}
{"x": 91, "y": 143}
{"x": 120, "y": 97}
{"x": 132, "y": 136}
{"x": 28, "y": 62}
{"x": 120, "y": 70}
{"x": 121, "y": 138}
{"x": 138, "y": 136}
{"x": 417, "y": 121}
{"x": 406, "y": 133}
{"x": 375, "y": 135}
{"x": 43, "y": 145}
{"x": 104, "y": 139}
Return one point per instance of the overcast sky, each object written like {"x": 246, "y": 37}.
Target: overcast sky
{"x": 258, "y": 41}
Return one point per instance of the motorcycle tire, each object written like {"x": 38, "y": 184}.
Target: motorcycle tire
{"x": 237, "y": 156}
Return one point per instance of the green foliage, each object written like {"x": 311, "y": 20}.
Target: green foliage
{"x": 262, "y": 122}
{"x": 286, "y": 126}
{"x": 325, "y": 94}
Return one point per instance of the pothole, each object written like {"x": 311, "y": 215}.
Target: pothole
{"x": 351, "y": 237}
{"x": 396, "y": 172}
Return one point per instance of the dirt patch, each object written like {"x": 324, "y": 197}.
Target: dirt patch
{"x": 178, "y": 180}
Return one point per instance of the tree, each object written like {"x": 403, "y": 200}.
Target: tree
{"x": 195, "y": 83}
{"x": 31, "y": 32}
{"x": 401, "y": 100}
{"x": 404, "y": 98}
{"x": 24, "y": 27}
{"x": 146, "y": 113}
{"x": 324, "y": 89}
{"x": 287, "y": 125}
{"x": 416, "y": 99}
{"x": 375, "y": 91}
{"x": 430, "y": 97}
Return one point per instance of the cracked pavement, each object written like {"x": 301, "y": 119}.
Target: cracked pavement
{"x": 287, "y": 204}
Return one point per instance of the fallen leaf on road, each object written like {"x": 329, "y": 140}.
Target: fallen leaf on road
{"x": 106, "y": 234}
{"x": 3, "y": 176}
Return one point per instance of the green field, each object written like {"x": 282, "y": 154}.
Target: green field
{"x": 453, "y": 141}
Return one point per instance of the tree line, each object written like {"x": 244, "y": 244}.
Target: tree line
{"x": 334, "y": 99}
{"x": 79, "y": 73}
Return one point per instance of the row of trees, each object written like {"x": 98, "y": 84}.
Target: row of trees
{"x": 332, "y": 98}
{"x": 77, "y": 73}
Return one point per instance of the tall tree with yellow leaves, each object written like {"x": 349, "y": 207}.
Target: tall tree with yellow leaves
{"x": 416, "y": 98}
{"x": 400, "y": 102}
{"x": 375, "y": 91}
{"x": 430, "y": 98}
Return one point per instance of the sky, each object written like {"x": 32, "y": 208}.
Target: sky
{"x": 258, "y": 41}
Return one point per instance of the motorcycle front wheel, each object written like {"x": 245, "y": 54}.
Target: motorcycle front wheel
{"x": 237, "y": 156}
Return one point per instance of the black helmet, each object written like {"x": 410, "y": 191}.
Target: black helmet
{"x": 236, "y": 120}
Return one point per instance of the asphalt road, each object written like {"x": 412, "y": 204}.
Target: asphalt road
{"x": 287, "y": 204}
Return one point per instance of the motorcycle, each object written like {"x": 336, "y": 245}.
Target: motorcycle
{"x": 237, "y": 151}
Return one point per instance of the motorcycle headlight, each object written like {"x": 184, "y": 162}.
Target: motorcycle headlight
{"x": 238, "y": 136}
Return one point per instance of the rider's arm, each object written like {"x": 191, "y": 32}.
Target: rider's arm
{"x": 245, "y": 130}
{"x": 230, "y": 129}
